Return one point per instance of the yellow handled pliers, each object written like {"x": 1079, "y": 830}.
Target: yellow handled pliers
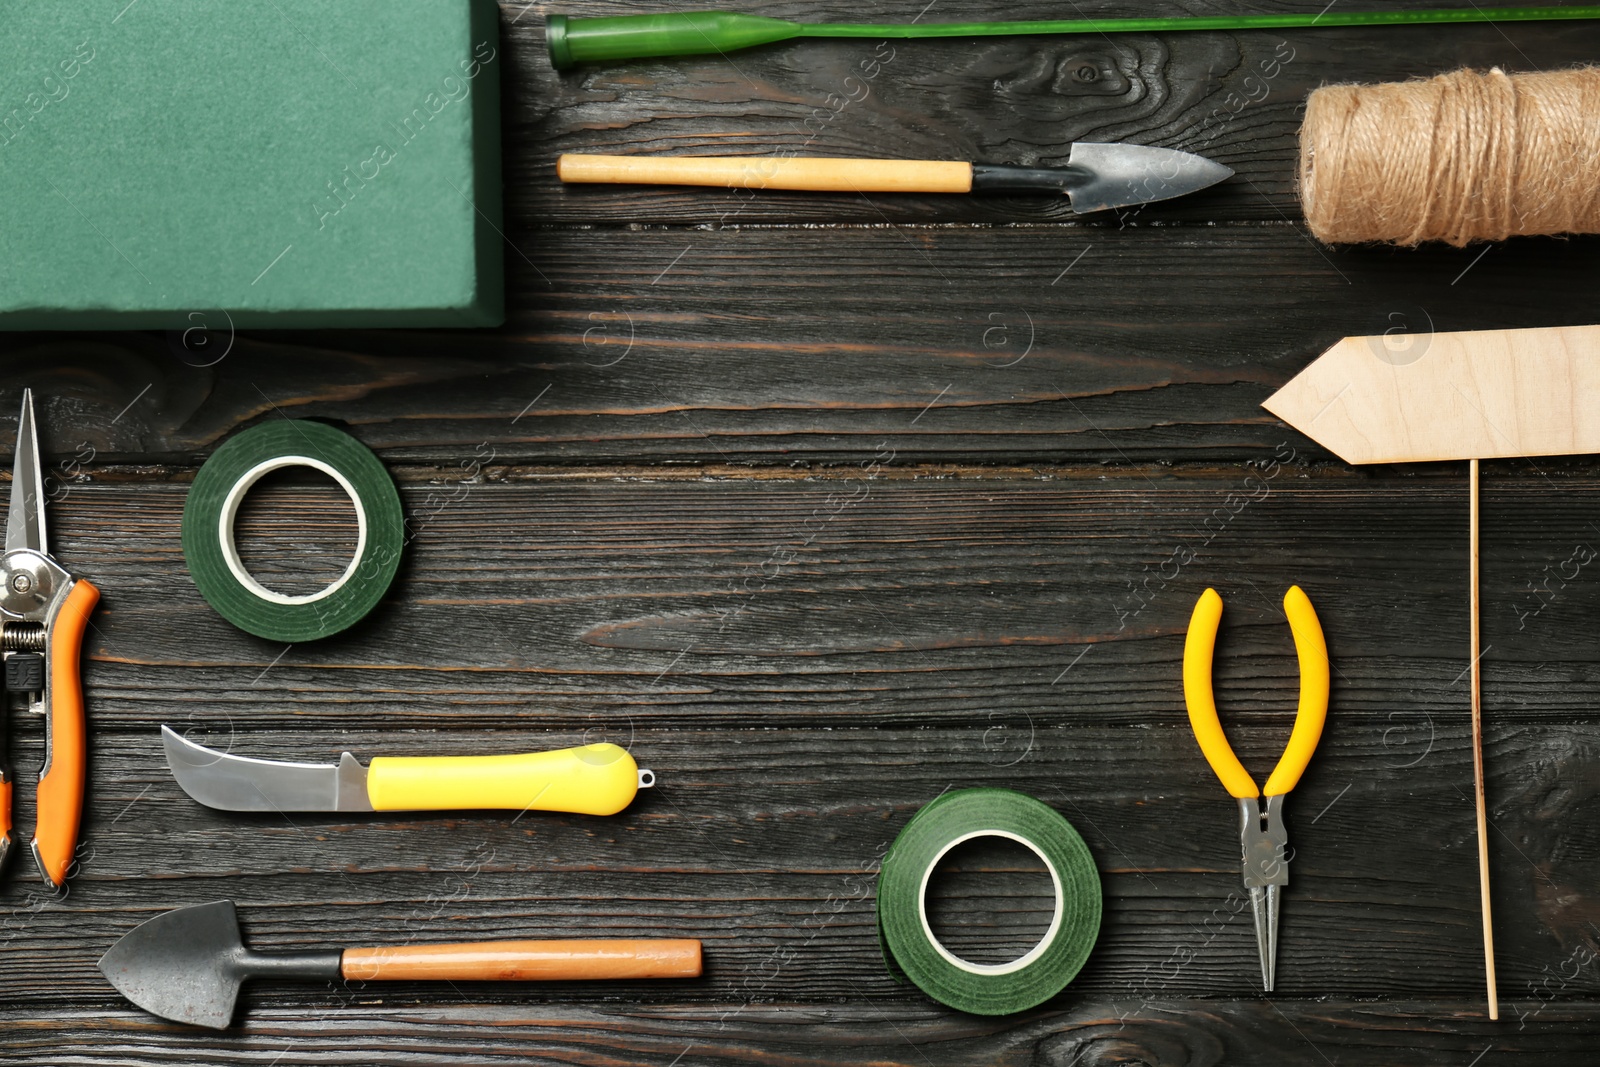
{"x": 1263, "y": 843}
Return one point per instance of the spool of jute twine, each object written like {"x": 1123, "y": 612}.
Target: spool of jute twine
{"x": 1462, "y": 157}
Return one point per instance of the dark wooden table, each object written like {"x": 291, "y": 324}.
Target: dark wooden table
{"x": 825, "y": 505}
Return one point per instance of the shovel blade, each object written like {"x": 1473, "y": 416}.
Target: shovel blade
{"x": 1126, "y": 175}
{"x": 182, "y": 965}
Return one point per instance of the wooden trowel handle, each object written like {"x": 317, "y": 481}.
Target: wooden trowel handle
{"x": 772, "y": 172}
{"x": 525, "y": 961}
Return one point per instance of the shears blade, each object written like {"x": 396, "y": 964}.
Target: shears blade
{"x": 25, "y": 519}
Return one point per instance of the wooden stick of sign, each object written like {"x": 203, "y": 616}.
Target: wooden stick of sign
{"x": 1453, "y": 396}
{"x": 1477, "y": 749}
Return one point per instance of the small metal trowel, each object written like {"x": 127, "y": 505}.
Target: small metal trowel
{"x": 187, "y": 965}
{"x": 1097, "y": 177}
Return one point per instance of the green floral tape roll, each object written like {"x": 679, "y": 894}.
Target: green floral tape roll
{"x": 213, "y": 503}
{"x": 909, "y": 946}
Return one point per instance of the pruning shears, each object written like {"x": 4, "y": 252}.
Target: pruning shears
{"x": 1263, "y": 842}
{"x": 44, "y": 610}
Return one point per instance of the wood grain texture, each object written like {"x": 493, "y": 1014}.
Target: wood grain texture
{"x": 822, "y": 507}
{"x": 664, "y": 595}
{"x": 771, "y": 347}
{"x": 1105, "y": 1033}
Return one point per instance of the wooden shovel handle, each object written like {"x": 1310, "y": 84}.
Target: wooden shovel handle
{"x": 525, "y": 961}
{"x": 772, "y": 172}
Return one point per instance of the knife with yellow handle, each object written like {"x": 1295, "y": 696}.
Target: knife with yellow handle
{"x": 591, "y": 780}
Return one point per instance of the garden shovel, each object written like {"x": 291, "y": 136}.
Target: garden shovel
{"x": 1096, "y": 177}
{"x": 187, "y": 965}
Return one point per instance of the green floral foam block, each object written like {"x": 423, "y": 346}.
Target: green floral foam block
{"x": 283, "y": 163}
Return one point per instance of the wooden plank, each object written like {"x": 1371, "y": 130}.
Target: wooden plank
{"x": 1164, "y": 1030}
{"x": 696, "y": 600}
{"x": 1022, "y": 345}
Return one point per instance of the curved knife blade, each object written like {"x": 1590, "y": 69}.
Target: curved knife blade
{"x": 239, "y": 783}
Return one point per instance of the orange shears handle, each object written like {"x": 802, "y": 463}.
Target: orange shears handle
{"x": 1312, "y": 650}
{"x": 55, "y": 834}
{"x": 5, "y": 814}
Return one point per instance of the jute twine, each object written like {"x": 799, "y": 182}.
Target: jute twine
{"x": 1462, "y": 157}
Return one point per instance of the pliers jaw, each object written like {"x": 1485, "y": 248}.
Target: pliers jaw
{"x": 1264, "y": 908}
{"x": 1263, "y": 842}
{"x": 1264, "y": 851}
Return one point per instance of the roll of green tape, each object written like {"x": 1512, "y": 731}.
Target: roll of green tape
{"x": 213, "y": 503}
{"x": 909, "y": 946}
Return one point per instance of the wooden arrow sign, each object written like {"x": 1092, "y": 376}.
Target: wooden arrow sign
{"x": 1406, "y": 398}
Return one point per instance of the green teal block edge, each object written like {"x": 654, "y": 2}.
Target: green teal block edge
{"x": 299, "y": 164}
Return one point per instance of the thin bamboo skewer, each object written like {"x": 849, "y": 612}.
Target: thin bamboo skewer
{"x": 1477, "y": 754}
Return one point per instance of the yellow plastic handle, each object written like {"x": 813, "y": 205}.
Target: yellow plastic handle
{"x": 1198, "y": 648}
{"x": 592, "y": 780}
{"x": 772, "y": 172}
{"x": 1312, "y": 649}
